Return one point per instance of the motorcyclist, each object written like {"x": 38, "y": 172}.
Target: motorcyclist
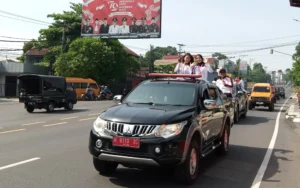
{"x": 106, "y": 91}
{"x": 88, "y": 92}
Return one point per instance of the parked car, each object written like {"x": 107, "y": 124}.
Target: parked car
{"x": 48, "y": 92}
{"x": 164, "y": 123}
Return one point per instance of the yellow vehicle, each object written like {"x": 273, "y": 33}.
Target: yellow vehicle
{"x": 262, "y": 95}
{"x": 80, "y": 85}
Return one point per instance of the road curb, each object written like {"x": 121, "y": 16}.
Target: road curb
{"x": 292, "y": 117}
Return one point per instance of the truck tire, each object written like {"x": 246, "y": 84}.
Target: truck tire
{"x": 187, "y": 172}
{"x": 236, "y": 115}
{"x": 271, "y": 107}
{"x": 69, "y": 105}
{"x": 50, "y": 107}
{"x": 105, "y": 167}
{"x": 244, "y": 115}
{"x": 223, "y": 148}
{"x": 29, "y": 109}
{"x": 250, "y": 106}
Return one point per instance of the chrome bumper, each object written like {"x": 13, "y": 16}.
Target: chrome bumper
{"x": 126, "y": 159}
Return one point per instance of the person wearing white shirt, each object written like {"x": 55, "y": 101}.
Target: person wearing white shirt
{"x": 201, "y": 67}
{"x": 225, "y": 83}
{"x": 185, "y": 67}
{"x": 124, "y": 29}
{"x": 114, "y": 28}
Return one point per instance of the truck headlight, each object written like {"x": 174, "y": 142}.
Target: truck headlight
{"x": 167, "y": 131}
{"x": 99, "y": 125}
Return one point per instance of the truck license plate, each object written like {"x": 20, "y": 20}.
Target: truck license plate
{"x": 126, "y": 142}
{"x": 259, "y": 103}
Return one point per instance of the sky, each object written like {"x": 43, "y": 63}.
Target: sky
{"x": 194, "y": 23}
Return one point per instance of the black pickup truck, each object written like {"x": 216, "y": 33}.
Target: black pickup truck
{"x": 43, "y": 91}
{"x": 163, "y": 122}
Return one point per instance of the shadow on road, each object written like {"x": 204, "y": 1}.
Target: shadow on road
{"x": 253, "y": 120}
{"x": 61, "y": 111}
{"x": 237, "y": 170}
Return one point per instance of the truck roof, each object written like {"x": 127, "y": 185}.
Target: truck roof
{"x": 40, "y": 75}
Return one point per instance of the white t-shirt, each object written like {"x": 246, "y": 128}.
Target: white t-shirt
{"x": 203, "y": 70}
{"x": 181, "y": 68}
{"x": 225, "y": 84}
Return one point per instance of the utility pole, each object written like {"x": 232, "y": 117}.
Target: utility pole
{"x": 180, "y": 48}
{"x": 151, "y": 64}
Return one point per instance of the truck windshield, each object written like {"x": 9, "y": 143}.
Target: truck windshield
{"x": 163, "y": 94}
{"x": 262, "y": 89}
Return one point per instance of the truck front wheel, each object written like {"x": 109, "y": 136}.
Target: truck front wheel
{"x": 105, "y": 167}
{"x": 29, "y": 108}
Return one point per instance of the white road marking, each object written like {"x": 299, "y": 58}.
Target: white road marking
{"x": 19, "y": 163}
{"x": 50, "y": 125}
{"x": 88, "y": 119}
{"x": 263, "y": 167}
{"x": 34, "y": 123}
{"x": 93, "y": 114}
{"x": 11, "y": 131}
{"x": 69, "y": 118}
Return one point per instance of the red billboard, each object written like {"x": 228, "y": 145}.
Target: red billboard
{"x": 121, "y": 19}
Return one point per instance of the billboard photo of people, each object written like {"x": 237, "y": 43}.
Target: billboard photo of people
{"x": 121, "y": 18}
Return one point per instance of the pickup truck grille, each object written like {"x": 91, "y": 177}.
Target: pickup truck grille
{"x": 130, "y": 130}
{"x": 260, "y": 98}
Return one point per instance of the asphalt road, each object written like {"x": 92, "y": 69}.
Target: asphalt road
{"x": 51, "y": 150}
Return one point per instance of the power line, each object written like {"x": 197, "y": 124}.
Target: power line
{"x": 15, "y": 38}
{"x": 253, "y": 50}
{"x": 32, "y": 19}
{"x": 5, "y": 50}
{"x": 22, "y": 20}
{"x": 14, "y": 41}
{"x": 216, "y": 45}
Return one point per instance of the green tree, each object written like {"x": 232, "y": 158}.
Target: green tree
{"x": 218, "y": 56}
{"x": 297, "y": 54}
{"x": 258, "y": 74}
{"x": 27, "y": 46}
{"x": 93, "y": 58}
{"x": 158, "y": 53}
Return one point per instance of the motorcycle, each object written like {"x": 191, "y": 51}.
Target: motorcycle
{"x": 104, "y": 96}
{"x": 88, "y": 97}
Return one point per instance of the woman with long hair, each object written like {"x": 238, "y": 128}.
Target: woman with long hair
{"x": 201, "y": 67}
{"x": 185, "y": 67}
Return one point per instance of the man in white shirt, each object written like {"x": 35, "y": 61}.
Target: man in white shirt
{"x": 96, "y": 27}
{"x": 124, "y": 29}
{"x": 114, "y": 28}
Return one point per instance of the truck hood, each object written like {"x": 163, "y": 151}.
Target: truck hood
{"x": 147, "y": 114}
